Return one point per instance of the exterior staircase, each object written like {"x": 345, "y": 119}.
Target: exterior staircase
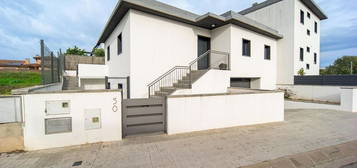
{"x": 182, "y": 77}
{"x": 184, "y": 83}
{"x": 70, "y": 83}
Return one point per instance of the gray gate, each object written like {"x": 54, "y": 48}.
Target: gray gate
{"x": 144, "y": 116}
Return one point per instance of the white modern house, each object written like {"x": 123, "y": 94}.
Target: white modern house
{"x": 154, "y": 49}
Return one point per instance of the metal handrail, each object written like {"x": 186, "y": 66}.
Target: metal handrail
{"x": 172, "y": 73}
{"x": 166, "y": 74}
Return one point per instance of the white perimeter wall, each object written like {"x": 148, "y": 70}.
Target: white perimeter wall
{"x": 34, "y": 118}
{"x": 349, "y": 99}
{"x": 313, "y": 92}
{"x": 187, "y": 114}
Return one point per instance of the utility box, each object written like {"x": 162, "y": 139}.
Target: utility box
{"x": 58, "y": 107}
{"x": 92, "y": 119}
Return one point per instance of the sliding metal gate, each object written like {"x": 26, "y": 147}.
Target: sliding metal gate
{"x": 144, "y": 116}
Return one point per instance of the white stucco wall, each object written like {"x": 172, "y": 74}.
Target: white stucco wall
{"x": 92, "y": 71}
{"x": 187, "y": 114}
{"x": 279, "y": 16}
{"x": 254, "y": 66}
{"x": 314, "y": 92}
{"x": 284, "y": 16}
{"x": 119, "y": 65}
{"x": 92, "y": 84}
{"x": 34, "y": 118}
{"x": 159, "y": 44}
{"x": 349, "y": 99}
{"x": 302, "y": 40}
{"x": 214, "y": 81}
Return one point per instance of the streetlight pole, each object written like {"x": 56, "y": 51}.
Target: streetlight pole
{"x": 351, "y": 68}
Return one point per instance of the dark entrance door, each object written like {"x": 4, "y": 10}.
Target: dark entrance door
{"x": 204, "y": 44}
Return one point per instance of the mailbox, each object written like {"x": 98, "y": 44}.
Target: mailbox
{"x": 58, "y": 107}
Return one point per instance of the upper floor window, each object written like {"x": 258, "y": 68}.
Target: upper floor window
{"x": 108, "y": 53}
{"x": 308, "y": 15}
{"x": 315, "y": 58}
{"x": 315, "y": 27}
{"x": 308, "y": 49}
{"x": 267, "y": 52}
{"x": 246, "y": 47}
{"x": 308, "y": 32}
{"x": 301, "y": 54}
{"x": 302, "y": 17}
{"x": 120, "y": 44}
{"x": 307, "y": 66}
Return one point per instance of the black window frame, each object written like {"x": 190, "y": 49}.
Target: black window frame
{"x": 316, "y": 27}
{"x": 308, "y": 15}
{"x": 267, "y": 55}
{"x": 307, "y": 66}
{"x": 108, "y": 53}
{"x": 302, "y": 17}
{"x": 308, "y": 32}
{"x": 301, "y": 54}
{"x": 308, "y": 49}
{"x": 120, "y": 44}
{"x": 246, "y": 51}
{"x": 315, "y": 58}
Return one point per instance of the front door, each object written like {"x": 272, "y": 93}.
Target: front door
{"x": 204, "y": 44}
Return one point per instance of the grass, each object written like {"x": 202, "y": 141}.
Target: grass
{"x": 17, "y": 79}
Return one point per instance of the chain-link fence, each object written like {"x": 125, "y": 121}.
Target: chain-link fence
{"x": 51, "y": 65}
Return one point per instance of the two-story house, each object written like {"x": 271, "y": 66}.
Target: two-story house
{"x": 154, "y": 49}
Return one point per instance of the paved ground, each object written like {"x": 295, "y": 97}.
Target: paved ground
{"x": 303, "y": 130}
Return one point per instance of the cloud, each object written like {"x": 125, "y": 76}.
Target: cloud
{"x": 64, "y": 23}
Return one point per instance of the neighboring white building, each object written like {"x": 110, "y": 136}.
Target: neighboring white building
{"x": 149, "y": 42}
{"x": 299, "y": 22}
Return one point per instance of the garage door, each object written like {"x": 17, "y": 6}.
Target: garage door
{"x": 241, "y": 82}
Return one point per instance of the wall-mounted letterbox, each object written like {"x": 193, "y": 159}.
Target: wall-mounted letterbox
{"x": 92, "y": 119}
{"x": 58, "y": 107}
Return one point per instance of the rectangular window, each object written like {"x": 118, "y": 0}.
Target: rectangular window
{"x": 308, "y": 15}
{"x": 302, "y": 17}
{"x": 307, "y": 66}
{"x": 246, "y": 48}
{"x": 308, "y": 49}
{"x": 315, "y": 27}
{"x": 308, "y": 32}
{"x": 108, "y": 53}
{"x": 120, "y": 44}
{"x": 267, "y": 52}
{"x": 315, "y": 58}
{"x": 301, "y": 54}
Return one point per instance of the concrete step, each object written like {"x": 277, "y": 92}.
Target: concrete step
{"x": 168, "y": 89}
{"x": 160, "y": 93}
{"x": 182, "y": 86}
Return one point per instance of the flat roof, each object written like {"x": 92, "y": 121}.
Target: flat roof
{"x": 164, "y": 10}
{"x": 308, "y": 3}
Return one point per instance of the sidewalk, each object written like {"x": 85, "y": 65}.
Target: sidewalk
{"x": 303, "y": 131}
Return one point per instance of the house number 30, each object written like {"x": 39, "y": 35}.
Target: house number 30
{"x": 115, "y": 107}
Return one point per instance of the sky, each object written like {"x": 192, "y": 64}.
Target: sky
{"x": 65, "y": 23}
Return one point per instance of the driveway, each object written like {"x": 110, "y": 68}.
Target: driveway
{"x": 302, "y": 131}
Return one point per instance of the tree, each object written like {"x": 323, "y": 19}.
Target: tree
{"x": 75, "y": 51}
{"x": 342, "y": 66}
{"x": 99, "y": 52}
{"x": 301, "y": 72}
